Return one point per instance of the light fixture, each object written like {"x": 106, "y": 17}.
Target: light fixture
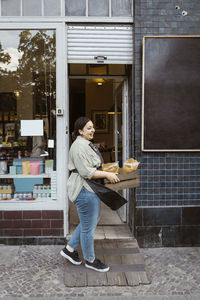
{"x": 111, "y": 111}
{"x": 184, "y": 13}
{"x": 17, "y": 93}
{"x": 99, "y": 81}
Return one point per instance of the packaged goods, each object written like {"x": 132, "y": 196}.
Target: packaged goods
{"x": 111, "y": 167}
{"x": 26, "y": 168}
{"x": 48, "y": 166}
{"x": 35, "y": 167}
{"x": 130, "y": 165}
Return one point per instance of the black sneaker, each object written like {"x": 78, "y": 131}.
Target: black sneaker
{"x": 71, "y": 256}
{"x": 97, "y": 265}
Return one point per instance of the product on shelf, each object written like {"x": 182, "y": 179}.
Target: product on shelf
{"x": 6, "y": 191}
{"x": 23, "y": 196}
{"x": 29, "y": 165}
{"x": 48, "y": 165}
{"x": 41, "y": 191}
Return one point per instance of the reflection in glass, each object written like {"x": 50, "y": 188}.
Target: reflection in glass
{"x": 52, "y": 8}
{"x": 32, "y": 8}
{"x": 10, "y": 8}
{"x": 27, "y": 91}
{"x": 98, "y": 8}
{"x": 75, "y": 7}
{"x": 121, "y": 8}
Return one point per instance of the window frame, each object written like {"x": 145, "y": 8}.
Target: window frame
{"x": 61, "y": 101}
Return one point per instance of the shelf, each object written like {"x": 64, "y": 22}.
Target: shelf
{"x": 26, "y": 176}
{"x": 28, "y": 201}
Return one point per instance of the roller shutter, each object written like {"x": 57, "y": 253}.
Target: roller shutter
{"x": 93, "y": 44}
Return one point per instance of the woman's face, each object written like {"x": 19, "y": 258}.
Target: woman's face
{"x": 88, "y": 131}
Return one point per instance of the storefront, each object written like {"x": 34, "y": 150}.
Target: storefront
{"x": 57, "y": 63}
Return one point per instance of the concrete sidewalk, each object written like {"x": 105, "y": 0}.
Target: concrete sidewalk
{"x": 182, "y": 297}
{"x": 36, "y": 272}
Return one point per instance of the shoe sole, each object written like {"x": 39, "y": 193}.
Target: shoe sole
{"x": 69, "y": 258}
{"x": 98, "y": 270}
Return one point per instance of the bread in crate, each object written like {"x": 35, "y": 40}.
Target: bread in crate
{"x": 128, "y": 175}
{"x": 130, "y": 165}
{"x": 111, "y": 167}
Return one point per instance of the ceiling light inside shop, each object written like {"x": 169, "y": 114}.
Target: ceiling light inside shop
{"x": 99, "y": 81}
{"x": 17, "y": 93}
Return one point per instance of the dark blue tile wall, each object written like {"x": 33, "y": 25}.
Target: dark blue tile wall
{"x": 169, "y": 178}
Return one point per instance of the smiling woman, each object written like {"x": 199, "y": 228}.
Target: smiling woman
{"x": 84, "y": 163}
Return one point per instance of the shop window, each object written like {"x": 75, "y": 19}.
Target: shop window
{"x": 52, "y": 8}
{"x": 75, "y": 7}
{"x": 98, "y": 8}
{"x": 121, "y": 8}
{"x": 27, "y": 93}
{"x": 10, "y": 8}
{"x": 32, "y": 8}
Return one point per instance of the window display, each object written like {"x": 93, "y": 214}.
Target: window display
{"x": 27, "y": 93}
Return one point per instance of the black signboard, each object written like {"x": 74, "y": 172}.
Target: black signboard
{"x": 171, "y": 93}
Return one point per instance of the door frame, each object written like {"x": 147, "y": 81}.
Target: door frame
{"x": 123, "y": 88}
{"x": 124, "y": 85}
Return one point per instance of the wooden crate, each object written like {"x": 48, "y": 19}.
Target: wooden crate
{"x": 127, "y": 180}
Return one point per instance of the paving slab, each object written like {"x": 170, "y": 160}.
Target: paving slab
{"x": 37, "y": 272}
{"x": 182, "y": 297}
{"x": 8, "y": 255}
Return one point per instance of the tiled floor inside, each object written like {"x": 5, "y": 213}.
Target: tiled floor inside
{"x": 110, "y": 225}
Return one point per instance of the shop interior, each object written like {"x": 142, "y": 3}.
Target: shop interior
{"x": 27, "y": 114}
{"x": 96, "y": 91}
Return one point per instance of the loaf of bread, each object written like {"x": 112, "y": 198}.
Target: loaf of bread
{"x": 111, "y": 167}
{"x": 130, "y": 165}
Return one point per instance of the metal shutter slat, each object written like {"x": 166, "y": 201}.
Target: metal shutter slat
{"x": 86, "y": 42}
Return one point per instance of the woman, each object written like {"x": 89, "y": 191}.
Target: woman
{"x": 83, "y": 164}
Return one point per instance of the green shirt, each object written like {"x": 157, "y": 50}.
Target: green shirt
{"x": 86, "y": 161}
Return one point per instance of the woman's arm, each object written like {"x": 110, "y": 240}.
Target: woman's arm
{"x": 112, "y": 177}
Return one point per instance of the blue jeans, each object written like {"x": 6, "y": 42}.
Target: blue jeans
{"x": 88, "y": 206}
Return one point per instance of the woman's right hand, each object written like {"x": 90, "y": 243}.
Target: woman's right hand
{"x": 112, "y": 177}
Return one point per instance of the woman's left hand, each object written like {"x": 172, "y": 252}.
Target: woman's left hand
{"x": 112, "y": 177}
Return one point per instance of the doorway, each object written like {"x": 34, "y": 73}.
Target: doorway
{"x": 103, "y": 99}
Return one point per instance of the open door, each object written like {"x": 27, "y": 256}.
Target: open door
{"x": 121, "y": 140}
{"x": 104, "y": 99}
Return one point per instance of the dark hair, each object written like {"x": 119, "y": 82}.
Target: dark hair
{"x": 79, "y": 124}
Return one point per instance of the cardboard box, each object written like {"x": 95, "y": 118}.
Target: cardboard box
{"x": 127, "y": 180}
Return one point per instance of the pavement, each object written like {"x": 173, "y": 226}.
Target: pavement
{"x": 36, "y": 272}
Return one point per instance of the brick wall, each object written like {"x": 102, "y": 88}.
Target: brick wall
{"x": 31, "y": 223}
{"x": 167, "y": 179}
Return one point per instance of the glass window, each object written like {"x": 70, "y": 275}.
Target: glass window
{"x": 97, "y": 69}
{"x": 121, "y": 8}
{"x": 75, "y": 7}
{"x": 117, "y": 70}
{"x": 98, "y": 8}
{"x": 27, "y": 92}
{"x": 32, "y": 8}
{"x": 10, "y": 7}
{"x": 77, "y": 69}
{"x": 52, "y": 8}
